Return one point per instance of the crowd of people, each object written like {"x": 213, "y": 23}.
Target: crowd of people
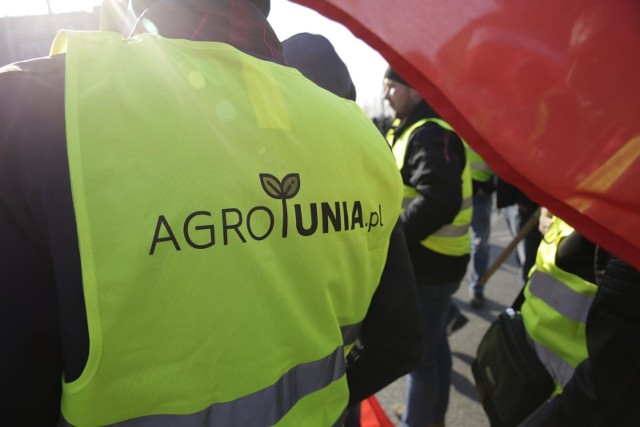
{"x": 199, "y": 233}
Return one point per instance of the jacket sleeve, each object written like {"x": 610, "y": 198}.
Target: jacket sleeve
{"x": 389, "y": 345}
{"x": 433, "y": 166}
{"x": 604, "y": 388}
{"x": 576, "y": 255}
{"x": 31, "y": 355}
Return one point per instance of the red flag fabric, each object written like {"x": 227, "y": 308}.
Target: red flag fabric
{"x": 546, "y": 92}
{"x": 372, "y": 414}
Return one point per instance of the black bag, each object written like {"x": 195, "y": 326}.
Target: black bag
{"x": 510, "y": 379}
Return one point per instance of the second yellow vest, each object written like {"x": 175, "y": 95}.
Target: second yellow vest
{"x": 452, "y": 239}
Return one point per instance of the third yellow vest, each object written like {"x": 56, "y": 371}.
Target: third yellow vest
{"x": 555, "y": 308}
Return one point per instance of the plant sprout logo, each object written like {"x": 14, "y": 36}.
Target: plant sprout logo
{"x": 201, "y": 228}
{"x": 287, "y": 189}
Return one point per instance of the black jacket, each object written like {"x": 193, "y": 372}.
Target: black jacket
{"x": 43, "y": 327}
{"x": 433, "y": 165}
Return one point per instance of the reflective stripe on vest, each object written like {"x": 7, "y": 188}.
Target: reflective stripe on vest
{"x": 451, "y": 239}
{"x": 569, "y": 303}
{"x": 559, "y": 369}
{"x": 199, "y": 233}
{"x": 555, "y": 309}
{"x": 262, "y": 408}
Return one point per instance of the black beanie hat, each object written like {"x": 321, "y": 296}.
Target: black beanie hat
{"x": 140, "y": 6}
{"x": 392, "y": 75}
{"x": 316, "y": 58}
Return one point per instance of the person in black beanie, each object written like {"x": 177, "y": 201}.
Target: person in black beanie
{"x": 436, "y": 219}
{"x": 316, "y": 58}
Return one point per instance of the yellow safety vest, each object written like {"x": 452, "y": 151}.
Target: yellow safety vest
{"x": 452, "y": 239}
{"x": 205, "y": 184}
{"x": 555, "y": 309}
{"x": 480, "y": 170}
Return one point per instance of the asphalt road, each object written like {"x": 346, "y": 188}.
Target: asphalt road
{"x": 500, "y": 291}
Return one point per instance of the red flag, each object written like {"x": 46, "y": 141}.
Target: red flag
{"x": 372, "y": 414}
{"x": 546, "y": 92}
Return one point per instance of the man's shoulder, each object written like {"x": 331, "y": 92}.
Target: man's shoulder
{"x": 45, "y": 63}
{"x": 32, "y": 103}
{"x": 25, "y": 82}
{"x": 19, "y": 79}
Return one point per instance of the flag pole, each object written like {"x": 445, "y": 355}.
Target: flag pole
{"x": 526, "y": 228}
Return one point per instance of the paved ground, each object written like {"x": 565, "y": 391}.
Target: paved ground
{"x": 501, "y": 290}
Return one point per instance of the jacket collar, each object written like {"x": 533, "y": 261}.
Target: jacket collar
{"x": 235, "y": 22}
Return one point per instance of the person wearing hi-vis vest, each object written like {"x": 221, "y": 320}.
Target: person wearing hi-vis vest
{"x": 582, "y": 315}
{"x": 436, "y": 216}
{"x": 555, "y": 305}
{"x": 556, "y": 300}
{"x": 194, "y": 234}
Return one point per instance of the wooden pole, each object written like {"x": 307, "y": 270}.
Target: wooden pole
{"x": 526, "y": 228}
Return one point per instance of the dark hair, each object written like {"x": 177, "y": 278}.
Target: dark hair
{"x": 392, "y": 75}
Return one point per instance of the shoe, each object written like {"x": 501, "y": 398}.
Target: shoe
{"x": 456, "y": 323}
{"x": 477, "y": 301}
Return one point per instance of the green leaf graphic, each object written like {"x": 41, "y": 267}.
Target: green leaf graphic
{"x": 271, "y": 185}
{"x": 284, "y": 190}
{"x": 290, "y": 185}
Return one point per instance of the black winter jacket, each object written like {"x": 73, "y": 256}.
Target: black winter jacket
{"x": 433, "y": 165}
